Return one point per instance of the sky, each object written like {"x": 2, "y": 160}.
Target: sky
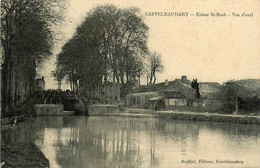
{"x": 207, "y": 48}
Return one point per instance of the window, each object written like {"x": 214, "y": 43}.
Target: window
{"x": 138, "y": 100}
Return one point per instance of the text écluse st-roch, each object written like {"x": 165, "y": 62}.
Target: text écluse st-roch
{"x": 198, "y": 14}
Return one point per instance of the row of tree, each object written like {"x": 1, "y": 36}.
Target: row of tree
{"x": 109, "y": 46}
{"x": 27, "y": 40}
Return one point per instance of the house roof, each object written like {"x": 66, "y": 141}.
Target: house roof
{"x": 156, "y": 98}
{"x": 212, "y": 83}
{"x": 160, "y": 86}
{"x": 149, "y": 88}
{"x": 173, "y": 94}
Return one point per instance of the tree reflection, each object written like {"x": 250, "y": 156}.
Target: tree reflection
{"x": 123, "y": 142}
{"x": 112, "y": 143}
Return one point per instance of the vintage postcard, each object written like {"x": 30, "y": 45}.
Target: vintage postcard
{"x": 130, "y": 83}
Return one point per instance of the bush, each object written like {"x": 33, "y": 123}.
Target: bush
{"x": 228, "y": 107}
{"x": 27, "y": 108}
{"x": 250, "y": 104}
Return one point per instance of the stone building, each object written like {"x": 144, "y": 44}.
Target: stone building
{"x": 161, "y": 96}
{"x": 40, "y": 84}
{"x": 209, "y": 90}
{"x": 108, "y": 93}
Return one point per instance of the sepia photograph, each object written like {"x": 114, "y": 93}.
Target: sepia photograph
{"x": 130, "y": 84}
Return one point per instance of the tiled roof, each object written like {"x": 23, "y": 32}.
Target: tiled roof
{"x": 172, "y": 94}
{"x": 158, "y": 86}
{"x": 149, "y": 88}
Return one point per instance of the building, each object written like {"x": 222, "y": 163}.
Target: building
{"x": 40, "y": 84}
{"x": 209, "y": 90}
{"x": 162, "y": 96}
{"x": 107, "y": 93}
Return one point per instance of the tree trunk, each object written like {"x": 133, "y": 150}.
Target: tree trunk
{"x": 236, "y": 105}
{"x": 59, "y": 84}
{"x": 122, "y": 84}
{"x": 154, "y": 79}
{"x": 139, "y": 78}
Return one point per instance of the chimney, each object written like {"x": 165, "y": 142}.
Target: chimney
{"x": 183, "y": 78}
{"x": 166, "y": 82}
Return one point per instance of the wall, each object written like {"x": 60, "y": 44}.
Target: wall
{"x": 172, "y": 104}
{"x": 111, "y": 94}
{"x": 40, "y": 84}
{"x": 101, "y": 109}
{"x": 139, "y": 100}
{"x": 107, "y": 94}
{"x": 209, "y": 87}
{"x": 48, "y": 109}
{"x": 176, "y": 102}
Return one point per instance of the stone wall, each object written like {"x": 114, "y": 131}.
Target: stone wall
{"x": 102, "y": 109}
{"x": 48, "y": 109}
{"x": 140, "y": 99}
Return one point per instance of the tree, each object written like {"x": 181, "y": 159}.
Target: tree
{"x": 232, "y": 92}
{"x": 58, "y": 75}
{"x": 195, "y": 85}
{"x": 106, "y": 47}
{"x": 27, "y": 41}
{"x": 153, "y": 66}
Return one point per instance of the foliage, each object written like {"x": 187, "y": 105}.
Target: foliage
{"x": 232, "y": 89}
{"x": 195, "y": 85}
{"x": 238, "y": 98}
{"x": 27, "y": 40}
{"x": 153, "y": 66}
{"x": 58, "y": 75}
{"x": 249, "y": 104}
{"x": 22, "y": 155}
{"x": 108, "y": 46}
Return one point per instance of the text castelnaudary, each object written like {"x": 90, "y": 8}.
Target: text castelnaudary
{"x": 166, "y": 13}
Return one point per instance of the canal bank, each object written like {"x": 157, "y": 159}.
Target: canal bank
{"x": 182, "y": 115}
{"x": 20, "y": 151}
{"x": 22, "y": 155}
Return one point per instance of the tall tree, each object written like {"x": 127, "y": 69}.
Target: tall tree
{"x": 232, "y": 92}
{"x": 195, "y": 85}
{"x": 105, "y": 45}
{"x": 153, "y": 66}
{"x": 58, "y": 75}
{"x": 27, "y": 41}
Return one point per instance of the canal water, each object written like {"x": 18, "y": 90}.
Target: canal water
{"x": 119, "y": 142}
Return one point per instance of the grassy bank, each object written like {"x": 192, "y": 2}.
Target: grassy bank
{"x": 19, "y": 113}
{"x": 186, "y": 115}
{"x": 241, "y": 119}
{"x": 22, "y": 155}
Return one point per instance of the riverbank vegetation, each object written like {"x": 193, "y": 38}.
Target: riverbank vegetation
{"x": 238, "y": 99}
{"x": 22, "y": 155}
{"x": 27, "y": 38}
{"x": 210, "y": 117}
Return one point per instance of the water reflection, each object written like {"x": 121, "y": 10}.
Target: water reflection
{"x": 134, "y": 142}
